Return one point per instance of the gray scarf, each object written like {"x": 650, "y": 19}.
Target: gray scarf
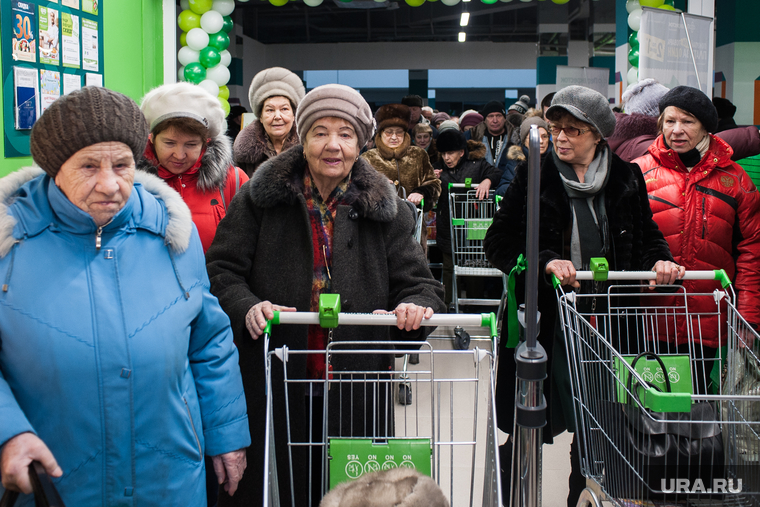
{"x": 595, "y": 181}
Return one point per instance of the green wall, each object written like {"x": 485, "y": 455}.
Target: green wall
{"x": 133, "y": 60}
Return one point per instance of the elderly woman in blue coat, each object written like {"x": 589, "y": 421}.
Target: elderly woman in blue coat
{"x": 117, "y": 367}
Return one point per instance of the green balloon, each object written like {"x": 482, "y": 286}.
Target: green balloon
{"x": 200, "y": 6}
{"x": 225, "y": 106}
{"x": 210, "y": 57}
{"x": 195, "y": 72}
{"x": 633, "y": 57}
{"x": 183, "y": 39}
{"x": 633, "y": 40}
{"x": 667, "y": 8}
{"x": 228, "y": 24}
{"x": 489, "y": 1}
{"x": 651, "y": 3}
{"x": 219, "y": 40}
{"x": 187, "y": 20}
{"x": 415, "y": 3}
{"x": 224, "y": 92}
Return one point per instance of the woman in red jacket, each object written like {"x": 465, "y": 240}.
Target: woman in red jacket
{"x": 709, "y": 211}
{"x": 189, "y": 150}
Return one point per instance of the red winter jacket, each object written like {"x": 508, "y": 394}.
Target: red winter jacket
{"x": 207, "y": 188}
{"x": 710, "y": 217}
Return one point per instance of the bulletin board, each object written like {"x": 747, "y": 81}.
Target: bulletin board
{"x": 49, "y": 48}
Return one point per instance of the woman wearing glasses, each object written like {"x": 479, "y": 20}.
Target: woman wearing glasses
{"x": 592, "y": 205}
{"x": 408, "y": 167}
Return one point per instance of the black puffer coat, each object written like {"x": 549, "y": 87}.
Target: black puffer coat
{"x": 263, "y": 251}
{"x": 636, "y": 244}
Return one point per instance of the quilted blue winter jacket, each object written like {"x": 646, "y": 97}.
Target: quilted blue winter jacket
{"x": 118, "y": 358}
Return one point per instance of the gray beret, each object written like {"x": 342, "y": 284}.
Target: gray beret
{"x": 586, "y": 105}
{"x": 694, "y": 102}
{"x": 275, "y": 82}
{"x": 84, "y": 117}
{"x": 340, "y": 101}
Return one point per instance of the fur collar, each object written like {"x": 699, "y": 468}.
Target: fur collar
{"x": 628, "y": 126}
{"x": 475, "y": 150}
{"x": 215, "y": 164}
{"x": 253, "y": 146}
{"x": 179, "y": 225}
{"x": 516, "y": 152}
{"x": 391, "y": 153}
{"x": 280, "y": 181}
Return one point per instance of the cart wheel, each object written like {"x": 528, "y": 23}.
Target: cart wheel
{"x": 461, "y": 339}
{"x": 405, "y": 394}
{"x": 588, "y": 499}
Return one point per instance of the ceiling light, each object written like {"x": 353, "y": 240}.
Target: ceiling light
{"x": 464, "y": 19}
{"x": 462, "y": 36}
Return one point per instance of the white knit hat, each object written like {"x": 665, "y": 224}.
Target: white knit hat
{"x": 272, "y": 83}
{"x": 184, "y": 100}
{"x": 644, "y": 97}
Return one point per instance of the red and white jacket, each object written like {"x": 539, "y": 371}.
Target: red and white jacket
{"x": 710, "y": 217}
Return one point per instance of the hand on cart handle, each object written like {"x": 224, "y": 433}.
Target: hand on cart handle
{"x": 667, "y": 273}
{"x": 564, "y": 271}
{"x": 481, "y": 191}
{"x": 415, "y": 198}
{"x": 257, "y": 317}
{"x": 18, "y": 454}
{"x": 229, "y": 468}
{"x": 408, "y": 315}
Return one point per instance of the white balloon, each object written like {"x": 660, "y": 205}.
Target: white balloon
{"x": 185, "y": 4}
{"x": 197, "y": 39}
{"x": 223, "y": 7}
{"x": 634, "y": 20}
{"x": 312, "y": 3}
{"x": 633, "y": 75}
{"x": 188, "y": 55}
{"x": 506, "y": 1}
{"x": 449, "y": 2}
{"x": 632, "y": 5}
{"x": 218, "y": 74}
{"x": 212, "y": 22}
{"x": 226, "y": 58}
{"x": 181, "y": 74}
{"x": 210, "y": 86}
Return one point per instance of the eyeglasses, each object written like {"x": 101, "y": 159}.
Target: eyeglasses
{"x": 393, "y": 133}
{"x": 569, "y": 131}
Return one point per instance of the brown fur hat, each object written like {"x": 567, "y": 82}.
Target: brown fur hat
{"x": 396, "y": 487}
{"x": 393, "y": 115}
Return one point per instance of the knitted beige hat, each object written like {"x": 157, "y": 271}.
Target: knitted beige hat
{"x": 340, "y": 101}
{"x": 272, "y": 83}
{"x": 184, "y": 100}
{"x": 84, "y": 117}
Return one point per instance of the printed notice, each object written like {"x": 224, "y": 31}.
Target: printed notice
{"x": 49, "y": 35}
{"x": 25, "y": 93}
{"x": 24, "y": 40}
{"x": 89, "y": 44}
{"x": 71, "y": 82}
{"x": 93, "y": 80}
{"x": 50, "y": 87}
{"x": 70, "y": 40}
{"x": 74, "y": 4}
{"x": 90, "y": 6}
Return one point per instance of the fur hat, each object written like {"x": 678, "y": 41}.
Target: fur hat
{"x": 493, "y": 107}
{"x": 184, "y": 100}
{"x": 393, "y": 115}
{"x": 586, "y": 105}
{"x": 643, "y": 97}
{"x": 447, "y": 125}
{"x": 412, "y": 101}
{"x": 693, "y": 101}
{"x": 274, "y": 82}
{"x": 521, "y": 106}
{"x": 450, "y": 140}
{"x": 439, "y": 117}
{"x": 724, "y": 107}
{"x": 84, "y": 117}
{"x": 340, "y": 101}
{"x": 395, "y": 487}
{"x": 470, "y": 120}
{"x": 527, "y": 122}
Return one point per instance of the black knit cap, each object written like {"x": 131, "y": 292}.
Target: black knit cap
{"x": 412, "y": 101}
{"x": 84, "y": 117}
{"x": 493, "y": 107}
{"x": 450, "y": 140}
{"x": 692, "y": 101}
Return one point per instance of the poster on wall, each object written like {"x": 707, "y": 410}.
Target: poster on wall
{"x": 24, "y": 42}
{"x": 25, "y": 92}
{"x": 50, "y": 87}
{"x": 49, "y": 42}
{"x": 90, "y": 6}
{"x": 70, "y": 40}
{"x": 93, "y": 80}
{"x": 74, "y": 4}
{"x": 89, "y": 44}
{"x": 71, "y": 82}
{"x": 596, "y": 78}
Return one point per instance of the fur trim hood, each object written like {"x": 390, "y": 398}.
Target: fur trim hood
{"x": 399, "y": 487}
{"x": 475, "y": 150}
{"x": 516, "y": 152}
{"x": 253, "y": 147}
{"x": 177, "y": 232}
{"x": 215, "y": 164}
{"x": 280, "y": 181}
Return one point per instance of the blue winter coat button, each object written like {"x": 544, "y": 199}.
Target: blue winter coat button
{"x": 129, "y": 491}
{"x": 125, "y": 373}
{"x": 352, "y": 214}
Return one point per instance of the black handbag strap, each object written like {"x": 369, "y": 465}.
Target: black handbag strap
{"x": 45, "y": 494}
{"x": 662, "y": 365}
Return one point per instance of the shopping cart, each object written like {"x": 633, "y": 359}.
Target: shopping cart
{"x": 354, "y": 425}
{"x": 650, "y": 428}
{"x": 470, "y": 219}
